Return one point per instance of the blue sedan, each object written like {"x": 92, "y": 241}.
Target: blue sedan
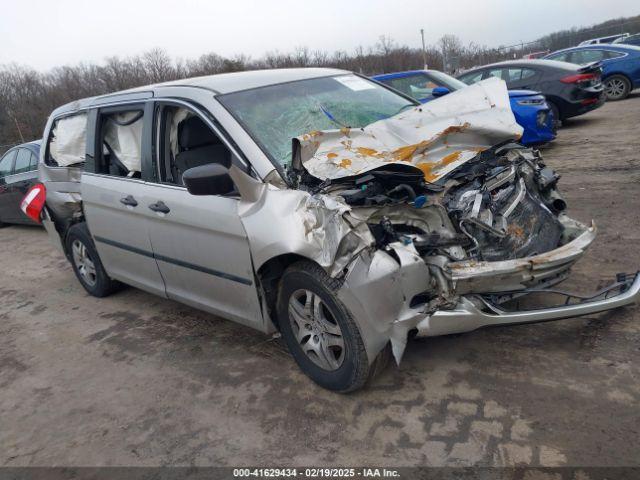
{"x": 530, "y": 108}
{"x": 620, "y": 65}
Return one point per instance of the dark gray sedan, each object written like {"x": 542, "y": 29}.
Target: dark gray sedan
{"x": 18, "y": 172}
{"x": 570, "y": 90}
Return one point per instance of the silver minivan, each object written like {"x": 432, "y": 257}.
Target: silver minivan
{"x": 319, "y": 204}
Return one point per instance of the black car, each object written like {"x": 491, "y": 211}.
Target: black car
{"x": 18, "y": 172}
{"x": 570, "y": 89}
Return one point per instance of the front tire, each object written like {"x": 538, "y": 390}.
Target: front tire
{"x": 318, "y": 329}
{"x": 617, "y": 87}
{"x": 86, "y": 262}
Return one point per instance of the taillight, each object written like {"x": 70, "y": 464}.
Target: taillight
{"x": 579, "y": 78}
{"x": 33, "y": 202}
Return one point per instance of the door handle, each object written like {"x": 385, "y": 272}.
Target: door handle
{"x": 159, "y": 206}
{"x": 129, "y": 201}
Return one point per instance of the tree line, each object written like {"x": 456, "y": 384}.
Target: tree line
{"x": 28, "y": 96}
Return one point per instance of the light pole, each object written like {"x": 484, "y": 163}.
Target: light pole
{"x": 424, "y": 50}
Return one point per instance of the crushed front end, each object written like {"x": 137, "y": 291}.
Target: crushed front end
{"x": 461, "y": 224}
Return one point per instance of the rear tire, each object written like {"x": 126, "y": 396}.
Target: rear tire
{"x": 617, "y": 87}
{"x": 319, "y": 331}
{"x": 86, "y": 262}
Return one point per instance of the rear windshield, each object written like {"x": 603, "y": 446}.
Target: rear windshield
{"x": 275, "y": 114}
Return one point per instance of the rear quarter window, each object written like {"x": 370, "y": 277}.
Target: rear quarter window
{"x": 560, "y": 57}
{"x": 609, "y": 54}
{"x": 6, "y": 163}
{"x": 67, "y": 141}
{"x": 23, "y": 161}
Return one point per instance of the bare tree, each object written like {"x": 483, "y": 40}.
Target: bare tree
{"x": 27, "y": 96}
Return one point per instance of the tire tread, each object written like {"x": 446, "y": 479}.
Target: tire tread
{"x": 362, "y": 369}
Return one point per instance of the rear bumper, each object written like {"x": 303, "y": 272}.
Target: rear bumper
{"x": 473, "y": 313}
{"x": 52, "y": 233}
{"x": 575, "y": 108}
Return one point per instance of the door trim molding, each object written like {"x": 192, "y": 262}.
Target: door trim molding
{"x": 174, "y": 261}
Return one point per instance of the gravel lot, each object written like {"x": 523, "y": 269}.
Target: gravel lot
{"x": 137, "y": 380}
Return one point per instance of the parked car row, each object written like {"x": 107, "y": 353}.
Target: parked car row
{"x": 529, "y": 108}
{"x": 620, "y": 65}
{"x": 570, "y": 90}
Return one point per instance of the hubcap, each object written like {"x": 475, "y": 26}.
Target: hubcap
{"x": 316, "y": 330}
{"x": 83, "y": 262}
{"x": 615, "y": 88}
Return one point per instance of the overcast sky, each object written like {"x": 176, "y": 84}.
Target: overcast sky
{"x": 48, "y": 33}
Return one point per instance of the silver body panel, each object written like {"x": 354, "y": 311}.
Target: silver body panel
{"x": 114, "y": 226}
{"x": 203, "y": 253}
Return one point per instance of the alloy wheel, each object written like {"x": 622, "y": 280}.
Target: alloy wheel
{"x": 85, "y": 265}
{"x": 615, "y": 88}
{"x": 316, "y": 330}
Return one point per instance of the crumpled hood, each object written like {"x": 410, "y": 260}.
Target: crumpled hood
{"x": 437, "y": 137}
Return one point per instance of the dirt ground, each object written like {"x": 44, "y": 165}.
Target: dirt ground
{"x": 137, "y": 380}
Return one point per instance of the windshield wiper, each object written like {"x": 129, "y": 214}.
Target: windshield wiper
{"x": 402, "y": 109}
{"x": 331, "y": 117}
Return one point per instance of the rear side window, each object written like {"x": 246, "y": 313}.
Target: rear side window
{"x": 517, "y": 74}
{"x": 583, "y": 57}
{"x": 611, "y": 54}
{"x": 6, "y": 163}
{"x": 23, "y": 161}
{"x": 495, "y": 72}
{"x": 416, "y": 86}
{"x": 33, "y": 163}
{"x": 471, "y": 78}
{"x": 120, "y": 143}
{"x": 560, "y": 57}
{"x": 67, "y": 141}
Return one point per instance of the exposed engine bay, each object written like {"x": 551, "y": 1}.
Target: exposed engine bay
{"x": 501, "y": 205}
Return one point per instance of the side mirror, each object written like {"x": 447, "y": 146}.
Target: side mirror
{"x": 439, "y": 91}
{"x": 209, "y": 179}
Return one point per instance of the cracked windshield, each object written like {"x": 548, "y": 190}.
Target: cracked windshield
{"x": 274, "y": 115}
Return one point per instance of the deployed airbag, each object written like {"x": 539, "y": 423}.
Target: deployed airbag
{"x": 68, "y": 144}
{"x": 123, "y": 133}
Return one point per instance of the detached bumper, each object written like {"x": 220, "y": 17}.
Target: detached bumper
{"x": 511, "y": 275}
{"x": 468, "y": 316}
{"x": 382, "y": 291}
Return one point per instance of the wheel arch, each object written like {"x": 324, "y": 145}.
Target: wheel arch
{"x": 269, "y": 275}
{"x": 620, "y": 74}
{"x": 63, "y": 224}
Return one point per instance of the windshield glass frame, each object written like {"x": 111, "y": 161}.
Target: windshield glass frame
{"x": 280, "y": 166}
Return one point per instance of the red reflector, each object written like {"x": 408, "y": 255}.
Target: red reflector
{"x": 581, "y": 77}
{"x": 589, "y": 101}
{"x": 33, "y": 202}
